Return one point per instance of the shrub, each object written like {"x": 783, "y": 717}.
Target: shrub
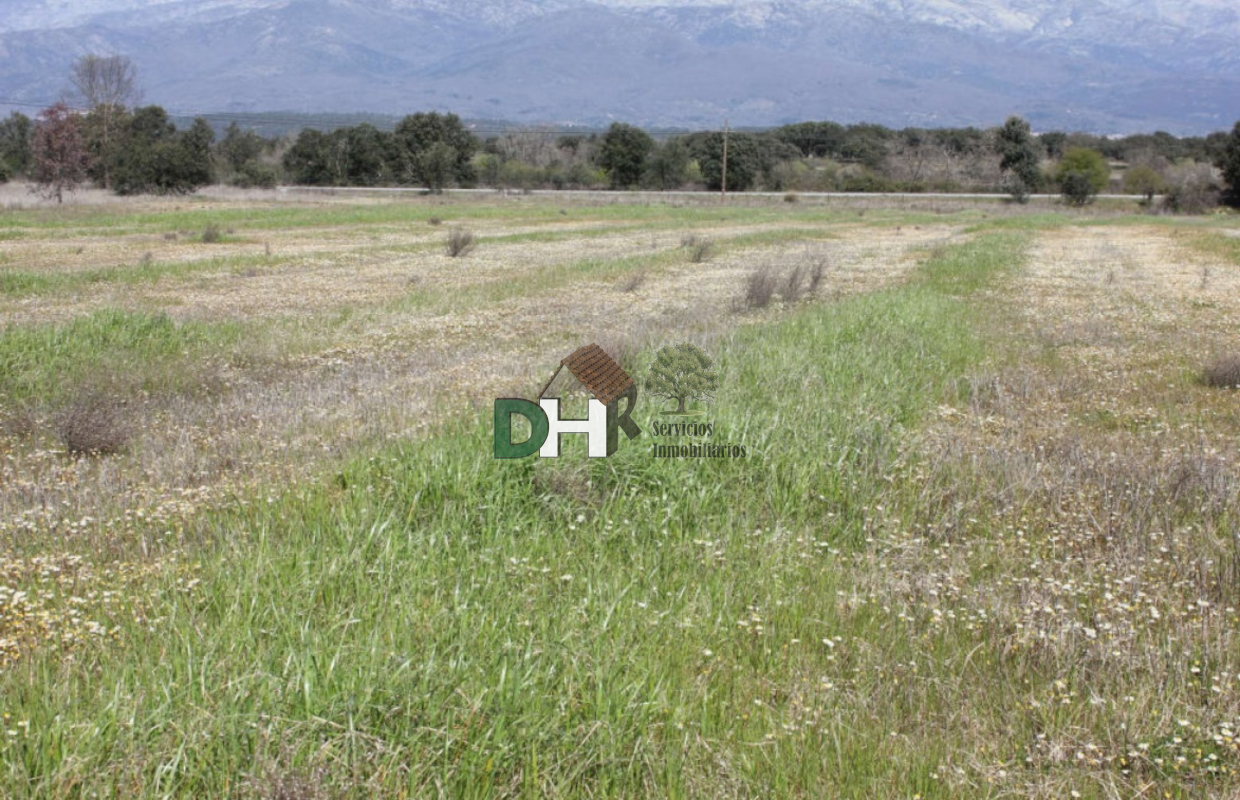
{"x": 1223, "y": 372}
{"x": 634, "y": 282}
{"x": 1144, "y": 180}
{"x": 1191, "y": 190}
{"x": 256, "y": 176}
{"x": 792, "y": 288}
{"x": 1077, "y": 188}
{"x": 92, "y": 423}
{"x": 1228, "y": 162}
{"x": 1089, "y": 163}
{"x": 816, "y": 274}
{"x": 460, "y": 242}
{"x": 700, "y": 249}
{"x": 1018, "y": 158}
{"x": 760, "y": 287}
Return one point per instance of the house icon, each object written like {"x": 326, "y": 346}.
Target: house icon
{"x": 607, "y": 382}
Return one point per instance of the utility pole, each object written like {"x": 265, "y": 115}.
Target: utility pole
{"x": 723, "y": 184}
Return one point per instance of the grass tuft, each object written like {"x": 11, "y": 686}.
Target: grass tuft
{"x": 460, "y": 242}
{"x": 760, "y": 287}
{"x": 700, "y": 249}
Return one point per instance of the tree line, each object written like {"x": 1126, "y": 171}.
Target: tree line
{"x": 131, "y": 149}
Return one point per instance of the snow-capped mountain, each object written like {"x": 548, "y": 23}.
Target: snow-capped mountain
{"x": 1103, "y": 65}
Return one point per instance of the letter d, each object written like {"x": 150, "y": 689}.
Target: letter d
{"x": 504, "y": 409}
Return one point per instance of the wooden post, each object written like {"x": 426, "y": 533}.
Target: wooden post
{"x": 723, "y": 184}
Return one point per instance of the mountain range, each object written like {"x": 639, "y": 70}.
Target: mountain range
{"x": 1105, "y": 66}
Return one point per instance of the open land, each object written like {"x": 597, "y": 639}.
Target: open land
{"x": 985, "y": 541}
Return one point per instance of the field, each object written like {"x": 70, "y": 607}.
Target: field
{"x": 984, "y": 541}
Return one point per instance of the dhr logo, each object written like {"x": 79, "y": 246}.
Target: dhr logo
{"x": 609, "y": 384}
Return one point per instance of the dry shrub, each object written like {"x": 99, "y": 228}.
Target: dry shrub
{"x": 700, "y": 249}
{"x": 16, "y": 423}
{"x": 760, "y": 287}
{"x": 792, "y": 288}
{"x": 764, "y": 283}
{"x": 568, "y": 491}
{"x": 816, "y": 274}
{"x": 634, "y": 282}
{"x": 460, "y": 242}
{"x": 93, "y": 422}
{"x": 1223, "y": 372}
{"x": 275, "y": 783}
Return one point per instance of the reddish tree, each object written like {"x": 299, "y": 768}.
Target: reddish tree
{"x": 58, "y": 152}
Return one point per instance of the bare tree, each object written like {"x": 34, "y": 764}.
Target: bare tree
{"x": 106, "y": 80}
{"x": 108, "y": 84}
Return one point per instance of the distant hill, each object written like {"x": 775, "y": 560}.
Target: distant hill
{"x": 1108, "y": 66}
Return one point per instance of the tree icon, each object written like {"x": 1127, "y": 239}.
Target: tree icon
{"x": 682, "y": 372}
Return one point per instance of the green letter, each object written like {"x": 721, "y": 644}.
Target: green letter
{"x": 504, "y": 446}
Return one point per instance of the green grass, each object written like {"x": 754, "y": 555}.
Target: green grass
{"x": 138, "y": 352}
{"x": 432, "y": 621}
{"x": 1218, "y": 245}
{"x": 25, "y": 283}
{"x": 109, "y": 221}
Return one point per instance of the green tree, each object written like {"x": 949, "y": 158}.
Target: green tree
{"x": 367, "y": 154}
{"x": 1076, "y": 188}
{"x": 814, "y": 139}
{"x": 1053, "y": 142}
{"x": 15, "y": 135}
{"x": 310, "y": 161}
{"x": 865, "y": 144}
{"x": 623, "y": 152}
{"x": 239, "y": 148}
{"x": 152, "y": 157}
{"x": 1018, "y": 158}
{"x": 1081, "y": 174}
{"x": 239, "y": 152}
{"x": 437, "y": 166}
{"x": 1228, "y": 161}
{"x": 190, "y": 159}
{"x": 744, "y": 162}
{"x": 417, "y": 133}
{"x": 667, "y": 167}
{"x": 682, "y": 372}
{"x": 1145, "y": 180}
{"x": 59, "y": 157}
